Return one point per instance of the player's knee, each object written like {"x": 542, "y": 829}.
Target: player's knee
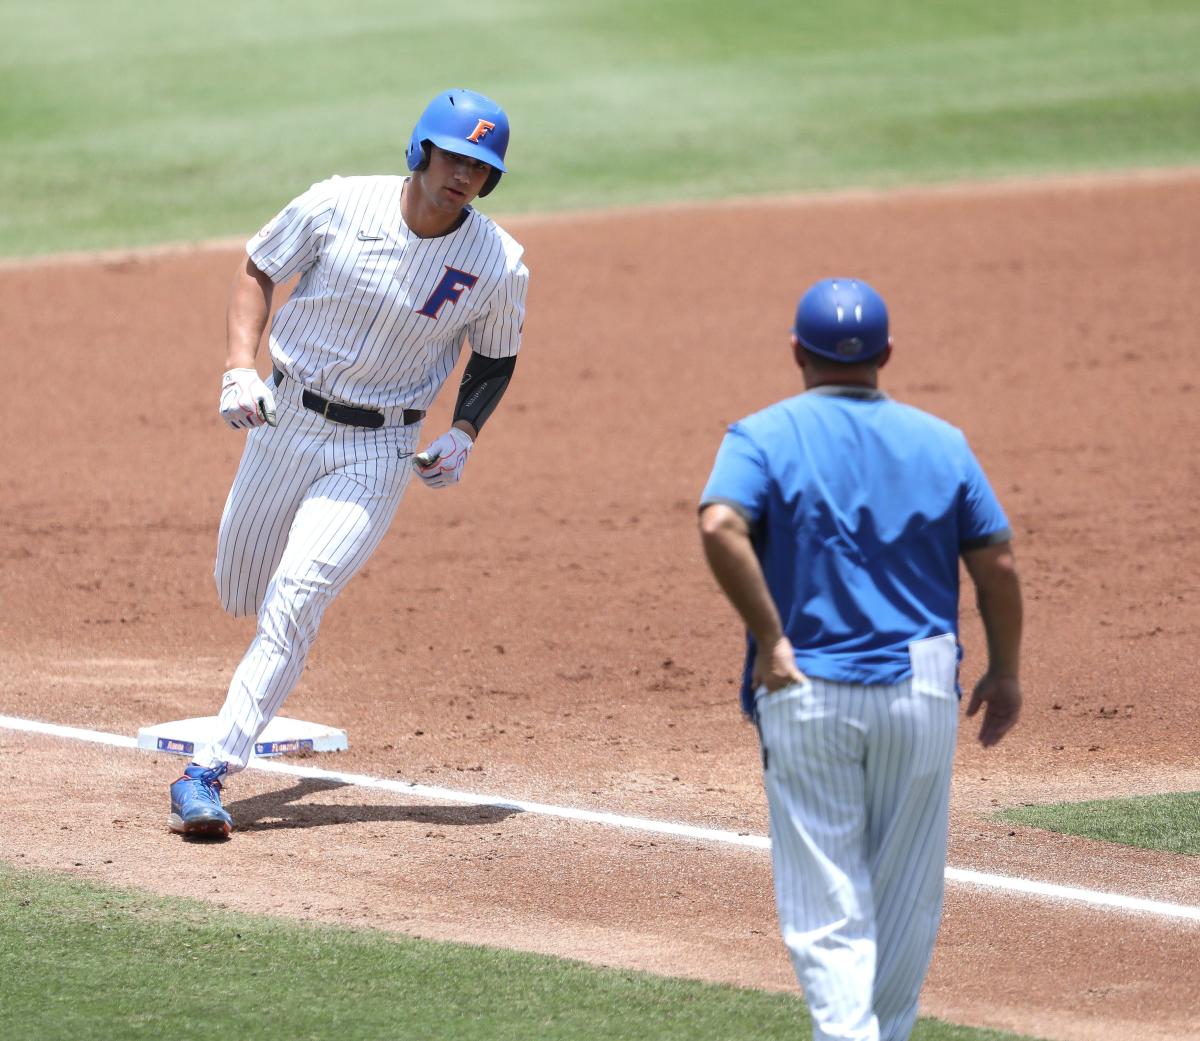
{"x": 237, "y": 606}
{"x": 237, "y": 598}
{"x": 294, "y": 608}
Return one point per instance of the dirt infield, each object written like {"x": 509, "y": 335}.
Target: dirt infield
{"x": 548, "y": 631}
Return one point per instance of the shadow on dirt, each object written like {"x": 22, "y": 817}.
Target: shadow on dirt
{"x": 284, "y": 809}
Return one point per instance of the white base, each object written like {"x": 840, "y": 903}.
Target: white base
{"x": 282, "y": 735}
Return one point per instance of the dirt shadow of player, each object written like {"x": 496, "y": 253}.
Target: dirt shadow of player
{"x": 272, "y": 811}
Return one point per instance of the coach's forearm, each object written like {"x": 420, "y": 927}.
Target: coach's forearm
{"x": 998, "y": 595}
{"x": 731, "y": 557}
{"x": 1001, "y": 610}
{"x": 249, "y": 308}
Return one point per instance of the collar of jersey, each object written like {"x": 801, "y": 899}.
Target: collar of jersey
{"x": 861, "y": 393}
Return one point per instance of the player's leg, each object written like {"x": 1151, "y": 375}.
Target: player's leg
{"x": 277, "y": 466}
{"x": 908, "y": 786}
{"x": 814, "y": 745}
{"x": 338, "y": 525}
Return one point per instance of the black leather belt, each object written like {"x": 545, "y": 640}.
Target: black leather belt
{"x": 349, "y": 414}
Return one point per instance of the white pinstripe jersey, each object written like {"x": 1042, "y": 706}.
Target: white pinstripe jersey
{"x": 379, "y": 315}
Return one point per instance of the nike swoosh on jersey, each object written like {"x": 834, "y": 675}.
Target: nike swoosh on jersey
{"x": 364, "y": 237}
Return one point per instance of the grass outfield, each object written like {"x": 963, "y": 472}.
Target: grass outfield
{"x": 86, "y": 963}
{"x": 1168, "y": 823}
{"x": 127, "y": 123}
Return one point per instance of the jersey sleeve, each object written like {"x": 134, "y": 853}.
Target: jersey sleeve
{"x": 739, "y": 477}
{"x": 981, "y": 519}
{"x": 291, "y": 241}
{"x": 496, "y": 333}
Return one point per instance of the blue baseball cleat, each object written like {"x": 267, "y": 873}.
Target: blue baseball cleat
{"x": 196, "y": 803}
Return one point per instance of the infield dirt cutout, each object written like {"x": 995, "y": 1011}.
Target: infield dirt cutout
{"x": 548, "y": 631}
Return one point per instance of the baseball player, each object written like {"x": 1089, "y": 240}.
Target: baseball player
{"x": 395, "y": 272}
{"x": 834, "y": 522}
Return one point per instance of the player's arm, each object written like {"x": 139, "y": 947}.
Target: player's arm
{"x": 495, "y": 339}
{"x": 289, "y": 243}
{"x": 246, "y": 401}
{"x": 729, "y": 549}
{"x": 483, "y": 385}
{"x": 249, "y": 308}
{"x": 993, "y": 569}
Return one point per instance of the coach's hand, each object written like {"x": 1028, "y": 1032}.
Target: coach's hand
{"x": 246, "y": 401}
{"x": 775, "y": 666}
{"x": 1002, "y": 694}
{"x": 441, "y": 464}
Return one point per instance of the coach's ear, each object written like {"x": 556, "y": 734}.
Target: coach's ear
{"x": 885, "y": 357}
{"x": 798, "y": 352}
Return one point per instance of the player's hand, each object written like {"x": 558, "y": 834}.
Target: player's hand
{"x": 245, "y": 400}
{"x": 441, "y": 464}
{"x": 775, "y": 666}
{"x": 1002, "y": 695}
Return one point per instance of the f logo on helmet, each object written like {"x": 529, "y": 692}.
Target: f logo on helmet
{"x": 481, "y": 129}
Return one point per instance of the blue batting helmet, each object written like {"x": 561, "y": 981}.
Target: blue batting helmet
{"x": 465, "y": 123}
{"x": 843, "y": 319}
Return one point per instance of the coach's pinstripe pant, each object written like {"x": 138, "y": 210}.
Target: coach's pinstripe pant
{"x": 309, "y": 505}
{"x": 858, "y": 788}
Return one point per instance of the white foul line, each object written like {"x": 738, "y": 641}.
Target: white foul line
{"x": 984, "y": 879}
{"x": 1087, "y": 896}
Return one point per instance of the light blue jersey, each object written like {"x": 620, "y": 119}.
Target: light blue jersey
{"x": 859, "y": 507}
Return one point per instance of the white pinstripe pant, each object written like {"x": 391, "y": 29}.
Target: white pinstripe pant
{"x": 858, "y": 789}
{"x": 310, "y": 502}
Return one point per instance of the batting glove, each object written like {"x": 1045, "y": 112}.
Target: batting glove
{"x": 441, "y": 464}
{"x": 245, "y": 400}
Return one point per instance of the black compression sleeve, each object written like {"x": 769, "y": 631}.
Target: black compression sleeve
{"x": 483, "y": 384}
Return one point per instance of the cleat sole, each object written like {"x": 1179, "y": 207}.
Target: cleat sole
{"x": 209, "y": 828}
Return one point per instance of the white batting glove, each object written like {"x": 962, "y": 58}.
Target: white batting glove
{"x": 441, "y": 464}
{"x": 245, "y": 400}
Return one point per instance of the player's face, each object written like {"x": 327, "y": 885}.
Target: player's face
{"x": 453, "y": 181}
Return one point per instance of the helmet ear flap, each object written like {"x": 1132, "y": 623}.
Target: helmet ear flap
{"x": 493, "y": 179}
{"x": 417, "y": 155}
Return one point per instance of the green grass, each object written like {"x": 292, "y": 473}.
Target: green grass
{"x": 124, "y": 122}
{"x": 1170, "y": 823}
{"x": 87, "y": 963}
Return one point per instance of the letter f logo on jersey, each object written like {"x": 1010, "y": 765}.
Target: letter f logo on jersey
{"x": 450, "y": 288}
{"x": 480, "y": 131}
